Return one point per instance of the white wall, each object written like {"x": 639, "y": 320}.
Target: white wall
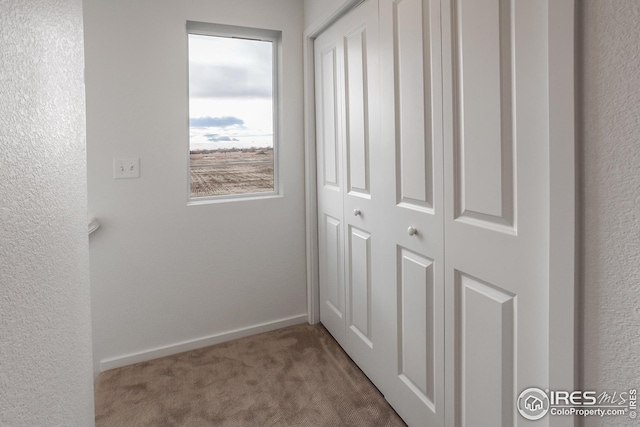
{"x": 45, "y": 329}
{"x": 317, "y": 11}
{"x": 163, "y": 273}
{"x": 611, "y": 197}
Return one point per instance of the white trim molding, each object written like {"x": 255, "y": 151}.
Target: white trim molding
{"x": 563, "y": 331}
{"x": 180, "y": 347}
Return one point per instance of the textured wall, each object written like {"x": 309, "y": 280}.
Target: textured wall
{"x": 611, "y": 197}
{"x": 45, "y": 341}
{"x": 164, "y": 273}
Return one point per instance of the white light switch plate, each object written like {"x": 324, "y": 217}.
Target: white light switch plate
{"x": 126, "y": 168}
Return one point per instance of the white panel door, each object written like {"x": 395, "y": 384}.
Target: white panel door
{"x": 349, "y": 214}
{"x": 434, "y": 238}
{"x": 495, "y": 58}
{"x": 411, "y": 90}
{"x": 331, "y": 186}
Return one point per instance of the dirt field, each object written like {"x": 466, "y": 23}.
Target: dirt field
{"x": 219, "y": 173}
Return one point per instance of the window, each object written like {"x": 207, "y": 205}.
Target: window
{"x": 232, "y": 111}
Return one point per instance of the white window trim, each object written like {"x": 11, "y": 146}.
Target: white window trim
{"x": 233, "y": 31}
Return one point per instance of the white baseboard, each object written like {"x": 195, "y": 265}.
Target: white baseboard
{"x": 143, "y": 356}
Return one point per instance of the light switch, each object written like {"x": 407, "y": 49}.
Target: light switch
{"x": 126, "y": 168}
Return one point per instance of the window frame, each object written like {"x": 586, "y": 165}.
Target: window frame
{"x": 248, "y": 33}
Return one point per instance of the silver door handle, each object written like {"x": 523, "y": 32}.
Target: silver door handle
{"x": 357, "y": 212}
{"x": 412, "y": 231}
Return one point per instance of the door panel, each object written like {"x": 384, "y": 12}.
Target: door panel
{"x": 334, "y": 265}
{"x": 357, "y": 112}
{"x": 411, "y": 98}
{"x": 331, "y": 257}
{"x": 413, "y": 110}
{"x": 415, "y": 324}
{"x": 362, "y": 200}
{"x": 329, "y": 125}
{"x": 411, "y": 91}
{"x": 360, "y": 284}
{"x": 347, "y": 62}
{"x": 495, "y": 68}
{"x": 330, "y": 178}
{"x": 485, "y": 357}
{"x": 484, "y": 133}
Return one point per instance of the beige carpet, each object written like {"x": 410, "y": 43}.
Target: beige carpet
{"x": 297, "y": 376}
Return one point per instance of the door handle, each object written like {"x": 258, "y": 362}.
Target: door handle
{"x": 412, "y": 231}
{"x": 357, "y": 212}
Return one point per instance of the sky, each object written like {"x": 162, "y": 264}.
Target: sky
{"x": 230, "y": 93}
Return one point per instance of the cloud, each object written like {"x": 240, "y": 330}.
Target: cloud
{"x": 214, "y": 137}
{"x": 224, "y": 67}
{"x": 208, "y": 80}
{"x": 219, "y": 122}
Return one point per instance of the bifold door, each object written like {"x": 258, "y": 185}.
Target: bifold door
{"x": 497, "y": 203}
{"x": 433, "y": 151}
{"x": 411, "y": 98}
{"x": 349, "y": 185}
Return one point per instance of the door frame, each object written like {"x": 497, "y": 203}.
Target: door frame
{"x": 562, "y": 191}
{"x": 563, "y": 235}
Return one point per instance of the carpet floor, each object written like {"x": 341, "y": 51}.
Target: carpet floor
{"x": 296, "y": 376}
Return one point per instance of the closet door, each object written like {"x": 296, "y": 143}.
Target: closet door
{"x": 497, "y": 207}
{"x": 411, "y": 88}
{"x": 439, "y": 287}
{"x": 349, "y": 209}
{"x": 330, "y": 181}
